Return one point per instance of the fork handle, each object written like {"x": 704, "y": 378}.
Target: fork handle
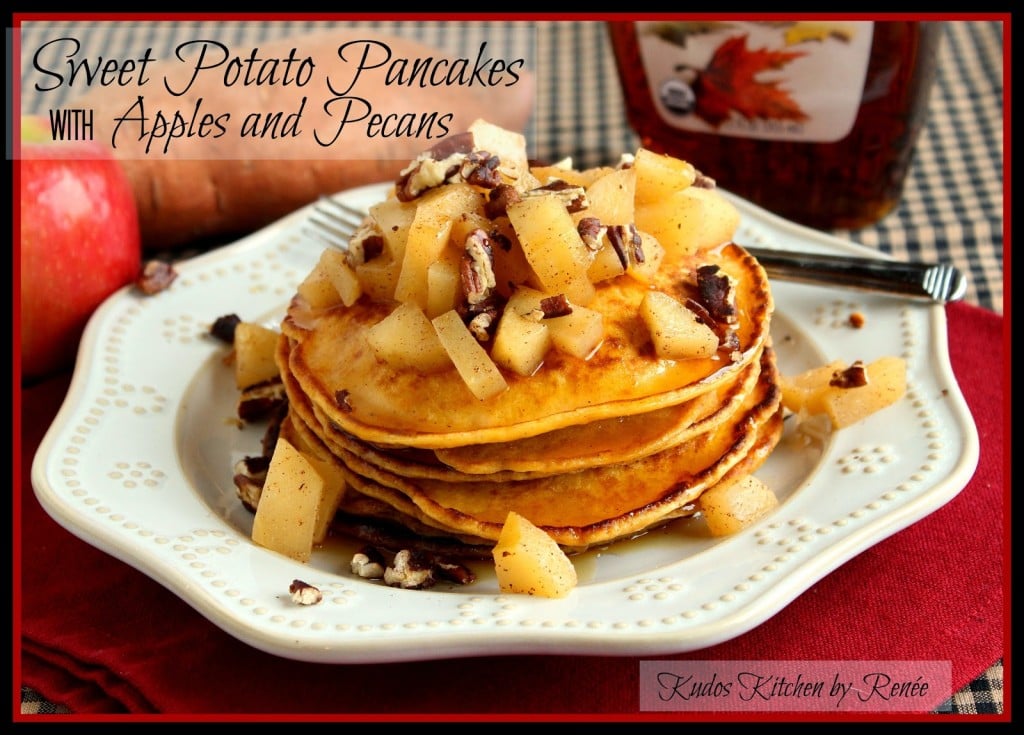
{"x": 935, "y": 282}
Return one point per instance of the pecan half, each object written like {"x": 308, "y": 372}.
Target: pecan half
{"x": 304, "y": 593}
{"x": 454, "y": 572}
{"x": 411, "y": 570}
{"x": 477, "y": 267}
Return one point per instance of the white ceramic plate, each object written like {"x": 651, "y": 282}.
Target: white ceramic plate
{"x": 139, "y": 464}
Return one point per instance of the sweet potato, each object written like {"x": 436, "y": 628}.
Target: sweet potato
{"x": 214, "y": 181}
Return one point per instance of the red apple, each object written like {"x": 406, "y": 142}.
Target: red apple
{"x": 80, "y": 242}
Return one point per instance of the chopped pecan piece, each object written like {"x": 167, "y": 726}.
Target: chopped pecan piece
{"x": 716, "y": 293}
{"x": 258, "y": 401}
{"x": 852, "y": 377}
{"x": 341, "y": 398}
{"x": 499, "y": 199}
{"x": 433, "y": 167}
{"x": 304, "y": 593}
{"x": 365, "y": 244}
{"x": 368, "y": 563}
{"x": 555, "y": 306}
{"x": 411, "y": 570}
{"x": 460, "y": 143}
{"x": 481, "y": 324}
{"x": 703, "y": 181}
{"x": 574, "y": 197}
{"x": 591, "y": 231}
{"x": 477, "y": 267}
{"x": 628, "y": 245}
{"x": 481, "y": 169}
{"x": 727, "y": 337}
{"x": 156, "y": 276}
{"x": 223, "y": 328}
{"x": 250, "y": 473}
{"x": 453, "y": 572}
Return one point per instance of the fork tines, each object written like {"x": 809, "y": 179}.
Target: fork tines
{"x": 333, "y": 222}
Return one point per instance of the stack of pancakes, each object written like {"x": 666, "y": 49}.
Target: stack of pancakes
{"x": 592, "y": 451}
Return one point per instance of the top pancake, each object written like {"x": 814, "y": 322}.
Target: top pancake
{"x": 392, "y": 406}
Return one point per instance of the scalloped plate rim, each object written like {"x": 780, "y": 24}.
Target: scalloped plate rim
{"x": 413, "y": 638}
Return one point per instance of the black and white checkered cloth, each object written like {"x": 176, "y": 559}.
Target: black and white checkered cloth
{"x": 952, "y": 209}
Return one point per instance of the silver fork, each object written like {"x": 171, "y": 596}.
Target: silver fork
{"x": 333, "y": 222}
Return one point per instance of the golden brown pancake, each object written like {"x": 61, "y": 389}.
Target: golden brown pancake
{"x": 608, "y": 441}
{"x": 404, "y": 407}
{"x": 585, "y": 507}
{"x": 397, "y": 523}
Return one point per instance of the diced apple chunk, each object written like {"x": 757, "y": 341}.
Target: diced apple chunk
{"x": 553, "y": 247}
{"x": 659, "y": 176}
{"x": 578, "y": 334}
{"x": 508, "y": 145}
{"x": 802, "y": 393}
{"x": 378, "y": 277}
{"x": 676, "y": 221}
{"x": 255, "y": 347}
{"x": 812, "y": 393}
{"x": 429, "y": 235}
{"x": 729, "y": 507}
{"x": 676, "y": 332}
{"x": 285, "y": 519}
{"x": 317, "y": 288}
{"x": 563, "y": 171}
{"x": 335, "y": 483}
{"x": 528, "y": 561}
{"x": 341, "y": 276}
{"x": 406, "y": 338}
{"x": 611, "y": 197}
{"x": 394, "y": 218}
{"x": 481, "y": 375}
{"x": 444, "y": 284}
{"x": 511, "y": 268}
{"x": 520, "y": 343}
{"x": 607, "y": 264}
{"x": 721, "y": 218}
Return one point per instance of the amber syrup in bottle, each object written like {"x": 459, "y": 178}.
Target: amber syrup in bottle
{"x": 815, "y": 121}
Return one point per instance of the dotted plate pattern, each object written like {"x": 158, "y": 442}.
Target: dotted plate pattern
{"x": 139, "y": 460}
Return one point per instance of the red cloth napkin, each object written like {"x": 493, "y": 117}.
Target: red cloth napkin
{"x": 100, "y": 637}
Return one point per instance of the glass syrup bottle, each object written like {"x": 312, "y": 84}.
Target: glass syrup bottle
{"x": 813, "y": 120}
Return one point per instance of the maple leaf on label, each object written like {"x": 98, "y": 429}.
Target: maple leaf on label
{"x": 729, "y": 83}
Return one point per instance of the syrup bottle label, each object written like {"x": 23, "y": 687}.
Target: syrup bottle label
{"x": 771, "y": 80}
